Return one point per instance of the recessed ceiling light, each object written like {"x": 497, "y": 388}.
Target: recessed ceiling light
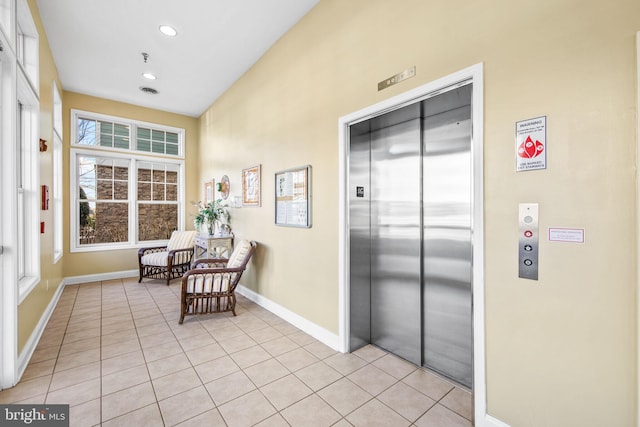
{"x": 168, "y": 30}
{"x": 149, "y": 76}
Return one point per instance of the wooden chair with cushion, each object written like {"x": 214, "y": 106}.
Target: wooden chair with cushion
{"x": 209, "y": 287}
{"x": 167, "y": 262}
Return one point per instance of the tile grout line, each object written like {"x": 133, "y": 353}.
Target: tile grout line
{"x": 60, "y": 348}
{"x": 162, "y": 301}
{"x": 101, "y": 330}
{"x": 146, "y": 364}
{"x": 202, "y": 384}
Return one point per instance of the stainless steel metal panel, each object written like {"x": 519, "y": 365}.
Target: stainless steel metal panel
{"x": 410, "y": 233}
{"x": 395, "y": 234}
{"x": 528, "y": 242}
{"x": 447, "y": 251}
{"x": 359, "y": 237}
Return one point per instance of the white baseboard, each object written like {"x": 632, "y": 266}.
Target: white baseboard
{"x": 494, "y": 422}
{"x": 75, "y": 280}
{"x": 318, "y": 332}
{"x": 34, "y": 339}
{"x": 321, "y": 334}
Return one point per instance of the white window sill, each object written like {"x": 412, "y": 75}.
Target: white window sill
{"x": 27, "y": 284}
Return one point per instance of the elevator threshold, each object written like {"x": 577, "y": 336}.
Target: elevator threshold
{"x": 424, "y": 368}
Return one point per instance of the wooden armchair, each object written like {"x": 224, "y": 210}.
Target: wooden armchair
{"x": 209, "y": 287}
{"x": 167, "y": 262}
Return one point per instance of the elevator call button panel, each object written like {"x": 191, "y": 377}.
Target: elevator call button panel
{"x": 528, "y": 241}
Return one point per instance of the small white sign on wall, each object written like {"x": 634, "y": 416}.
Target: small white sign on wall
{"x": 531, "y": 144}
{"x": 566, "y": 235}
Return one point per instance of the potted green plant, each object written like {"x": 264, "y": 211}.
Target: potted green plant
{"x": 211, "y": 214}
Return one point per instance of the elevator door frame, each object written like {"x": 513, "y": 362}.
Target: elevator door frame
{"x": 473, "y": 75}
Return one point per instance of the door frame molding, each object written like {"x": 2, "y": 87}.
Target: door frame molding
{"x": 638, "y": 226}
{"x": 473, "y": 74}
{"x": 8, "y": 263}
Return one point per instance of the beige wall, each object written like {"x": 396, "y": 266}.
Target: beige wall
{"x": 84, "y": 263}
{"x": 560, "y": 351}
{"x": 33, "y": 306}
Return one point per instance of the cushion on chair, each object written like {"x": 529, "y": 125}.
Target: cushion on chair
{"x": 239, "y": 254}
{"x": 159, "y": 259}
{"x": 208, "y": 282}
{"x": 182, "y": 258}
{"x": 181, "y": 240}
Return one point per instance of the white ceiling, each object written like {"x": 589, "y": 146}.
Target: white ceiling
{"x": 97, "y": 46}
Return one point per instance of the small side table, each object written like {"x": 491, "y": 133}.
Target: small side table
{"x": 216, "y": 246}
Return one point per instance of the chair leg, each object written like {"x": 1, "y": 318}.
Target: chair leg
{"x": 183, "y": 307}
{"x": 232, "y": 298}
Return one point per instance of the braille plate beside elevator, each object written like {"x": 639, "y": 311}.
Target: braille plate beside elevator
{"x": 528, "y": 241}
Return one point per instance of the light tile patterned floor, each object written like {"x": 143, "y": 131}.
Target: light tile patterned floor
{"x": 114, "y": 351}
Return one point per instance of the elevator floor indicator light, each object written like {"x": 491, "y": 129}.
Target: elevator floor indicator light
{"x": 390, "y": 81}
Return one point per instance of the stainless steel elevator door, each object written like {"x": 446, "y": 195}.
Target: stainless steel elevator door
{"x": 359, "y": 235}
{"x": 447, "y": 252}
{"x": 410, "y": 233}
{"x": 395, "y": 233}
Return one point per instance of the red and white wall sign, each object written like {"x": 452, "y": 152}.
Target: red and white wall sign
{"x": 531, "y": 144}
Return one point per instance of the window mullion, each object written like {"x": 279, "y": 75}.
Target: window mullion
{"x": 133, "y": 146}
{"x": 133, "y": 202}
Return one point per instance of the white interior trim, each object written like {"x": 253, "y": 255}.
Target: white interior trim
{"x": 34, "y": 339}
{"x": 88, "y": 278}
{"x": 318, "y": 332}
{"x": 133, "y": 160}
{"x": 475, "y": 75}
{"x": 9, "y": 234}
{"x": 28, "y": 55}
{"x": 638, "y": 227}
{"x": 492, "y": 422}
{"x": 29, "y": 117}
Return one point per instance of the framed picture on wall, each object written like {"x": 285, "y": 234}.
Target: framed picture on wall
{"x": 251, "y": 186}
{"x": 293, "y": 197}
{"x": 209, "y": 191}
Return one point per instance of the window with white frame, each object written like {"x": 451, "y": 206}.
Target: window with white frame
{"x": 126, "y": 182}
{"x": 57, "y": 174}
{"x": 6, "y": 13}
{"x": 157, "y": 186}
{"x": 19, "y": 177}
{"x": 27, "y": 50}
{"x": 106, "y": 132}
{"x": 27, "y": 188}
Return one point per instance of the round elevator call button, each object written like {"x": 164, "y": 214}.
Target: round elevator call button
{"x": 528, "y": 233}
{"x": 528, "y": 248}
{"x": 528, "y": 262}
